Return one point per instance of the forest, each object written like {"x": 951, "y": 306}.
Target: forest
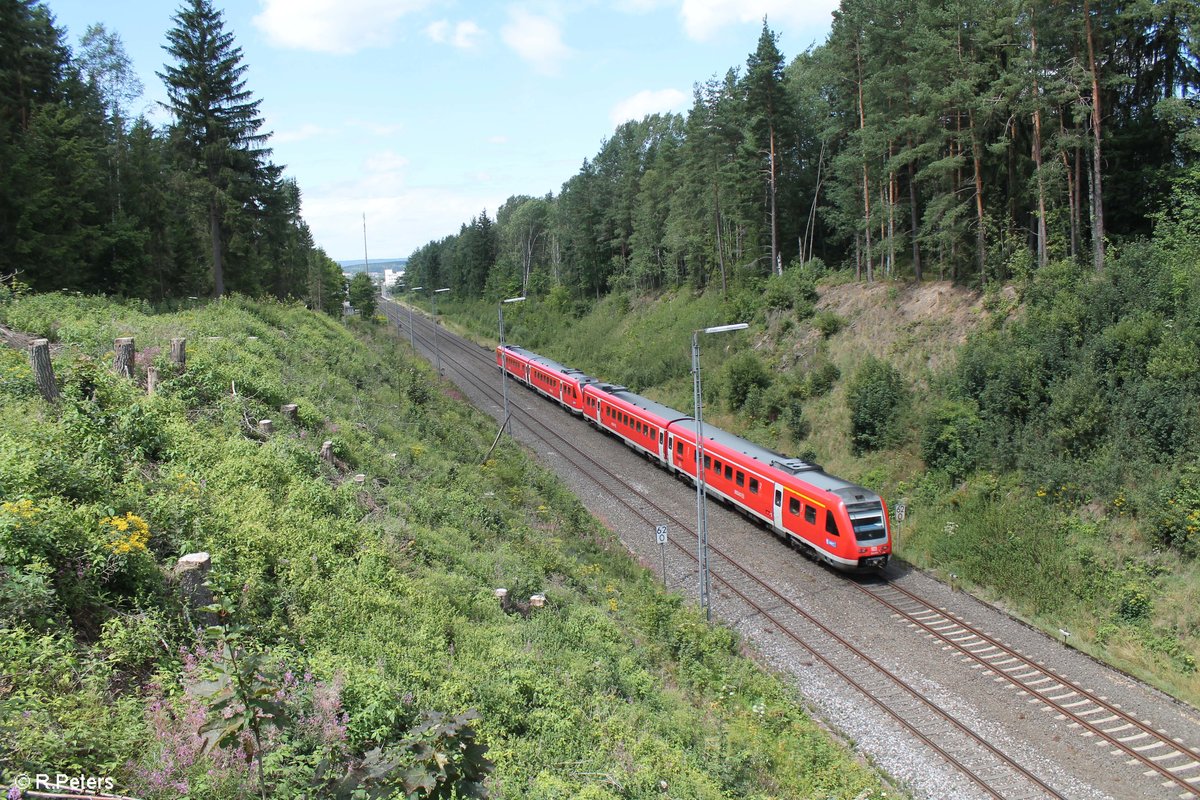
{"x": 96, "y": 202}
{"x": 970, "y": 141}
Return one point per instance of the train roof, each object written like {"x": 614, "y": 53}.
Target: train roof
{"x": 805, "y": 470}
{"x": 663, "y": 412}
{"x": 550, "y": 363}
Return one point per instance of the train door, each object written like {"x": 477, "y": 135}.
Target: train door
{"x": 777, "y": 513}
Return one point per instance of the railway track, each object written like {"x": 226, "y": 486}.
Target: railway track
{"x": 993, "y": 771}
{"x": 1092, "y": 714}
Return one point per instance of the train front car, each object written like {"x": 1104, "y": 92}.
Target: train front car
{"x": 845, "y": 525}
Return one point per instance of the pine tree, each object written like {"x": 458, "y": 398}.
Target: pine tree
{"x": 770, "y": 107}
{"x": 217, "y": 124}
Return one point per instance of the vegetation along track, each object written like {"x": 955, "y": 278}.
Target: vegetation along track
{"x": 1092, "y": 714}
{"x": 994, "y": 772}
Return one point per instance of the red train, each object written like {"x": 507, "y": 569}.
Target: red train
{"x": 837, "y": 521}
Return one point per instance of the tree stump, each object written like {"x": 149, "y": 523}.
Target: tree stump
{"x": 191, "y": 573}
{"x": 291, "y": 412}
{"x": 123, "y": 360}
{"x": 151, "y": 380}
{"x": 43, "y": 370}
{"x": 327, "y": 452}
{"x": 266, "y": 427}
{"x": 179, "y": 354}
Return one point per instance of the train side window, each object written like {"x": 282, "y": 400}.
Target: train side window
{"x": 741, "y": 478}
{"x": 810, "y": 515}
{"x": 728, "y": 472}
{"x": 707, "y": 461}
{"x": 717, "y": 467}
{"x": 679, "y": 448}
{"x": 830, "y": 523}
{"x": 754, "y": 486}
{"x": 793, "y": 505}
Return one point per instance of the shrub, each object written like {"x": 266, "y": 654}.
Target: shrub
{"x": 794, "y": 289}
{"x": 821, "y": 379}
{"x": 828, "y": 323}
{"x": 950, "y": 438}
{"x": 877, "y": 394}
{"x": 744, "y": 374}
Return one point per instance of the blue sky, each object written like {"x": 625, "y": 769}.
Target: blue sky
{"x": 422, "y": 113}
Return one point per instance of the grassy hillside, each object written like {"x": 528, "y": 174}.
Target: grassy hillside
{"x": 354, "y": 637}
{"x": 1044, "y": 437}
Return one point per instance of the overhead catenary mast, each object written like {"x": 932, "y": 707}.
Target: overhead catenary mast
{"x": 366, "y": 263}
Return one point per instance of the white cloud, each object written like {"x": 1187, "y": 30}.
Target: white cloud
{"x": 703, "y": 18}
{"x": 438, "y": 31}
{"x": 465, "y": 35}
{"x": 497, "y": 139}
{"x": 308, "y": 130}
{"x": 376, "y": 128}
{"x": 648, "y": 102}
{"x": 332, "y": 26}
{"x": 385, "y": 162}
{"x": 535, "y": 39}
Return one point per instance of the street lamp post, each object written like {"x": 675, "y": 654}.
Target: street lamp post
{"x": 412, "y": 342}
{"x": 437, "y": 355}
{"x": 504, "y": 359}
{"x": 701, "y": 510}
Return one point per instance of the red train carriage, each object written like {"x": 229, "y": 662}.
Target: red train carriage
{"x": 639, "y": 422}
{"x": 562, "y": 384}
{"x": 840, "y": 522}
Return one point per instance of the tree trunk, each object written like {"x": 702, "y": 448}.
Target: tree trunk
{"x": 218, "y": 267}
{"x": 912, "y": 214}
{"x": 123, "y": 358}
{"x": 1097, "y": 194}
{"x": 862, "y": 129}
{"x": 179, "y": 354}
{"x": 776, "y": 265}
{"x": 980, "y": 233}
{"x": 43, "y": 370}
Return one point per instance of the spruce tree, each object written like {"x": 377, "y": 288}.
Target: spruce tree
{"x": 217, "y": 123}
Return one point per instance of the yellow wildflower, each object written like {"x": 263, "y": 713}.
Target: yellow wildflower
{"x": 24, "y": 508}
{"x": 129, "y": 533}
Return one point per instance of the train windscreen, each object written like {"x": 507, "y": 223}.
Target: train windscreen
{"x": 868, "y": 524}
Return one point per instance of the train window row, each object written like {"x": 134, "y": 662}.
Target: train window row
{"x": 713, "y": 465}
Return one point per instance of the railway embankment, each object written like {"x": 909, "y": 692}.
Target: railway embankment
{"x": 357, "y": 543}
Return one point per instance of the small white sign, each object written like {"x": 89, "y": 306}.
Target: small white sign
{"x": 900, "y": 512}
{"x": 660, "y": 534}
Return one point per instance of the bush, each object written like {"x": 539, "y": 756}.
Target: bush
{"x": 744, "y": 375}
{"x": 821, "y": 379}
{"x": 877, "y": 394}
{"x": 794, "y": 289}
{"x": 950, "y": 438}
{"x": 828, "y": 323}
